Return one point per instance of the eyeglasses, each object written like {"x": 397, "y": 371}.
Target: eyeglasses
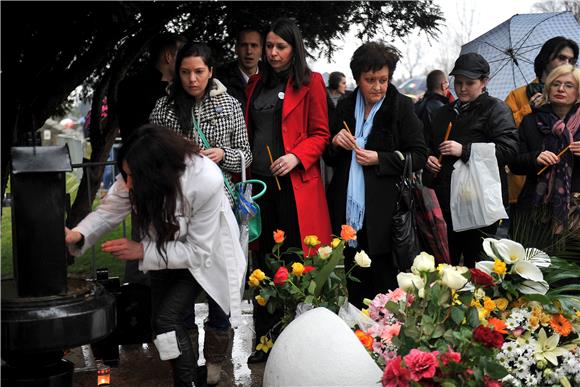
{"x": 565, "y": 58}
{"x": 567, "y": 86}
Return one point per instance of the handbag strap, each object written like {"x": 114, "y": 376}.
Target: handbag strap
{"x": 207, "y": 146}
{"x": 408, "y": 169}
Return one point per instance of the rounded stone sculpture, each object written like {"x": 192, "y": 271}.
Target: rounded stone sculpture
{"x": 319, "y": 349}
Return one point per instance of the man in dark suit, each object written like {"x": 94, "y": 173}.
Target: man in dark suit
{"x": 234, "y": 75}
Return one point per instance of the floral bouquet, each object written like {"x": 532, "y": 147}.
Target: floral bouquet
{"x": 304, "y": 279}
{"x": 540, "y": 325}
{"x": 497, "y": 323}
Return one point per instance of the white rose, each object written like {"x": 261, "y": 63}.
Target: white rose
{"x": 324, "y": 252}
{"x": 423, "y": 263}
{"x": 409, "y": 281}
{"x": 362, "y": 259}
{"x": 452, "y": 278}
{"x": 479, "y": 294}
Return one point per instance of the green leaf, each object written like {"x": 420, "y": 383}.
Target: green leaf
{"x": 392, "y": 307}
{"x": 325, "y": 271}
{"x": 539, "y": 298}
{"x": 428, "y": 329}
{"x": 473, "y": 318}
{"x": 495, "y": 370}
{"x": 465, "y": 298}
{"x": 312, "y": 287}
{"x": 309, "y": 299}
{"x": 438, "y": 332}
{"x": 457, "y": 315}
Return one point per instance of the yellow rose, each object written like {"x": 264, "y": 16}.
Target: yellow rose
{"x": 260, "y": 300}
{"x": 499, "y": 267}
{"x": 258, "y": 274}
{"x": 335, "y": 243}
{"x": 265, "y": 344}
{"x": 483, "y": 313}
{"x": 534, "y": 321}
{"x": 488, "y": 304}
{"x": 253, "y": 282}
{"x": 545, "y": 318}
{"x": 297, "y": 269}
{"x": 501, "y": 303}
{"x": 578, "y": 313}
{"x": 311, "y": 240}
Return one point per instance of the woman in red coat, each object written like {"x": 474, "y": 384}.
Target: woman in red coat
{"x": 287, "y": 113}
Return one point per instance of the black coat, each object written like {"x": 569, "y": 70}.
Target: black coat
{"x": 427, "y": 106}
{"x": 532, "y": 134}
{"x": 137, "y": 97}
{"x": 487, "y": 119}
{"x": 231, "y": 76}
{"x": 395, "y": 127}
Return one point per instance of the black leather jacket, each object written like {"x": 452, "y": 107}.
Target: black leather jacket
{"x": 486, "y": 119}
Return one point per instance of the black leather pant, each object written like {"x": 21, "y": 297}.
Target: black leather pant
{"x": 172, "y": 292}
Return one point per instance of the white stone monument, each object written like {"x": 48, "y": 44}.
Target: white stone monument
{"x": 319, "y": 349}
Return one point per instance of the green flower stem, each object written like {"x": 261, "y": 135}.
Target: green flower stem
{"x": 296, "y": 287}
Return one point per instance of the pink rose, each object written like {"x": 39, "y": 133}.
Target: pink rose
{"x": 421, "y": 364}
{"x": 450, "y": 356}
{"x": 395, "y": 375}
{"x": 281, "y": 276}
{"x": 396, "y": 295}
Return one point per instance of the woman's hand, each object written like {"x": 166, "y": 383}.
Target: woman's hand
{"x": 535, "y": 100}
{"x": 344, "y": 140}
{"x": 451, "y": 148}
{"x": 123, "y": 249}
{"x": 72, "y": 237}
{"x": 366, "y": 157}
{"x": 283, "y": 165}
{"x": 215, "y": 154}
{"x": 433, "y": 164}
{"x": 547, "y": 158}
{"x": 575, "y": 148}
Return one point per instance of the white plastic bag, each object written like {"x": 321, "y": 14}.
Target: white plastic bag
{"x": 476, "y": 199}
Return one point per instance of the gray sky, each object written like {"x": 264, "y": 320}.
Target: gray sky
{"x": 470, "y": 18}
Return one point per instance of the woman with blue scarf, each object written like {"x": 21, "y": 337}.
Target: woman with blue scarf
{"x": 368, "y": 163}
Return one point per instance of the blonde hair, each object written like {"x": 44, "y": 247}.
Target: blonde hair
{"x": 555, "y": 74}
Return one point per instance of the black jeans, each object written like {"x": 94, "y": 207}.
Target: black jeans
{"x": 172, "y": 292}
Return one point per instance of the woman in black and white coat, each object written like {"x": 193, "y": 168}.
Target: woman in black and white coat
{"x": 196, "y": 97}
{"x": 198, "y": 102}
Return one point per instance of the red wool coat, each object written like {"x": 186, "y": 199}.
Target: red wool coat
{"x": 305, "y": 133}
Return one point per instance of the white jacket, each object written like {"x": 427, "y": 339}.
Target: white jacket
{"x": 208, "y": 240}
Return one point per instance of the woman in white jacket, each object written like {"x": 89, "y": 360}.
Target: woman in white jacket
{"x": 190, "y": 241}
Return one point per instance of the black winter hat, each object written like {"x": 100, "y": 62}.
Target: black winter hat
{"x": 472, "y": 65}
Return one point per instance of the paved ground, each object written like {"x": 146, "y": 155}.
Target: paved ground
{"x": 140, "y": 365}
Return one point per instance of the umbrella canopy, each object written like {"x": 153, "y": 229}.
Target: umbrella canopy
{"x": 511, "y": 47}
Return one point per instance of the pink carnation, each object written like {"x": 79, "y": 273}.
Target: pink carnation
{"x": 395, "y": 375}
{"x": 450, "y": 356}
{"x": 396, "y": 295}
{"x": 421, "y": 364}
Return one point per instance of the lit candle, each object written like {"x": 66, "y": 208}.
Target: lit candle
{"x": 103, "y": 374}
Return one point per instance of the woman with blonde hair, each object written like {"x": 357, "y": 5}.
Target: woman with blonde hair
{"x": 550, "y": 152}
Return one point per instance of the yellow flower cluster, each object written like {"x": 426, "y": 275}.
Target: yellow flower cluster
{"x": 256, "y": 277}
{"x": 311, "y": 240}
{"x": 297, "y": 269}
{"x": 499, "y": 267}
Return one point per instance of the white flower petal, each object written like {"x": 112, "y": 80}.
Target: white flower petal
{"x": 538, "y": 257}
{"x": 527, "y": 270}
{"x": 533, "y": 287}
{"x": 487, "y": 243}
{"x": 510, "y": 251}
{"x": 485, "y": 266}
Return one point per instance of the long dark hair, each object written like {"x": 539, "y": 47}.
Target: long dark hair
{"x": 549, "y": 50}
{"x": 156, "y": 159}
{"x": 182, "y": 101}
{"x": 289, "y": 31}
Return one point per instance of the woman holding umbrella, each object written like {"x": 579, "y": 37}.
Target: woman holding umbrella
{"x": 474, "y": 117}
{"x": 550, "y": 152}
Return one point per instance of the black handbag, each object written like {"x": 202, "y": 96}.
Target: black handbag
{"x": 404, "y": 229}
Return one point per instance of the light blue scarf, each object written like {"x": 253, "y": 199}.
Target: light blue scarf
{"x": 355, "y": 194}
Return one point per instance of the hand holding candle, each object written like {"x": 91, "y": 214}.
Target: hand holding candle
{"x": 445, "y": 139}
{"x": 559, "y": 155}
{"x": 271, "y": 163}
